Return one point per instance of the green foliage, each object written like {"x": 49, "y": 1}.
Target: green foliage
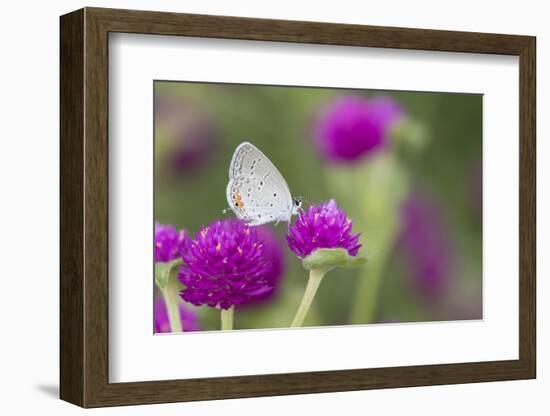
{"x": 329, "y": 258}
{"x": 163, "y": 270}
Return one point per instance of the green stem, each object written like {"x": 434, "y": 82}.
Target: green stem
{"x": 315, "y": 278}
{"x": 171, "y": 298}
{"x": 366, "y": 293}
{"x": 227, "y": 318}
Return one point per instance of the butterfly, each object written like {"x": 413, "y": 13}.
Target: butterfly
{"x": 257, "y": 192}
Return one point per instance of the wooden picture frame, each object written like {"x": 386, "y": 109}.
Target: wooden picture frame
{"x": 84, "y": 207}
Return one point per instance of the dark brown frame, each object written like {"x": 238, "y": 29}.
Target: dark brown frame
{"x": 84, "y": 207}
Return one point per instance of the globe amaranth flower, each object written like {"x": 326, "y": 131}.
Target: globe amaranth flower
{"x": 227, "y": 264}
{"x": 352, "y": 127}
{"x": 274, "y": 252}
{"x": 426, "y": 246}
{"x": 322, "y": 226}
{"x": 189, "y": 320}
{"x": 169, "y": 242}
{"x": 189, "y": 131}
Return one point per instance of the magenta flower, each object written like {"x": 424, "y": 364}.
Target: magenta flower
{"x": 226, "y": 264}
{"x": 169, "y": 243}
{"x": 190, "y": 131}
{"x": 189, "y": 320}
{"x": 322, "y": 226}
{"x": 426, "y": 246}
{"x": 274, "y": 252}
{"x": 193, "y": 148}
{"x": 352, "y": 127}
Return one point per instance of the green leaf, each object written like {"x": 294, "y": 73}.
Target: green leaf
{"x": 328, "y": 258}
{"x": 162, "y": 272}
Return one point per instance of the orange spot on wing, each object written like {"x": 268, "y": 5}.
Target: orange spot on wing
{"x": 238, "y": 201}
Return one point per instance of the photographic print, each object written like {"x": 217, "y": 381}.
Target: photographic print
{"x": 286, "y": 207}
{"x": 328, "y": 185}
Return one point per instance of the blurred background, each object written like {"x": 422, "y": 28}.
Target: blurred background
{"x": 405, "y": 166}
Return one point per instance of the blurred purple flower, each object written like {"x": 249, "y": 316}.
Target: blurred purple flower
{"x": 227, "y": 264}
{"x": 322, "y": 226}
{"x": 273, "y": 251}
{"x": 426, "y": 246}
{"x": 169, "y": 242}
{"x": 189, "y": 320}
{"x": 352, "y": 127}
{"x": 192, "y": 133}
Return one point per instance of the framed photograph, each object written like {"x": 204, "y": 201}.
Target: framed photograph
{"x": 257, "y": 207}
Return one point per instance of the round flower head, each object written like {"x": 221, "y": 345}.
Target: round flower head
{"x": 352, "y": 127}
{"x": 189, "y": 320}
{"x": 193, "y": 148}
{"x": 274, "y": 252}
{"x": 426, "y": 246}
{"x": 226, "y": 264}
{"x": 169, "y": 243}
{"x": 189, "y": 131}
{"x": 322, "y": 226}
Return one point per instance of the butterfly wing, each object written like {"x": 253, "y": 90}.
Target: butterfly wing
{"x": 257, "y": 192}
